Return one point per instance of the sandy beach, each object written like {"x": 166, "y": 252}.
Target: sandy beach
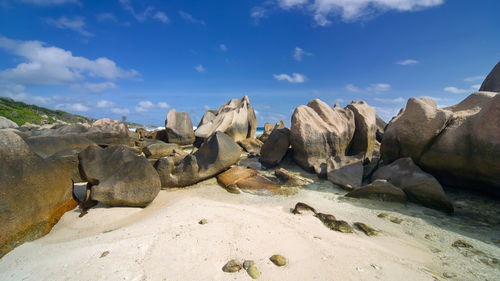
{"x": 164, "y": 241}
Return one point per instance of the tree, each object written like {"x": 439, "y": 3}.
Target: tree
{"x": 124, "y": 118}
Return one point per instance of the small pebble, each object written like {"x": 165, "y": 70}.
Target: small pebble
{"x": 253, "y": 272}
{"x": 105, "y": 253}
{"x": 203, "y": 221}
{"x": 231, "y": 266}
{"x": 449, "y": 275}
{"x": 278, "y": 260}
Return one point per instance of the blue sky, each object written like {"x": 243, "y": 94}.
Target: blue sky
{"x": 140, "y": 58}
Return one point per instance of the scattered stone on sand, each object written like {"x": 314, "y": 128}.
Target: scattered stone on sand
{"x": 368, "y": 230}
{"x": 105, "y": 253}
{"x": 251, "y": 269}
{"x": 231, "y": 266}
{"x": 278, "y": 260}
{"x": 302, "y": 207}
{"x": 333, "y": 224}
{"x": 449, "y": 275}
{"x": 461, "y": 244}
{"x": 382, "y": 215}
{"x": 288, "y": 179}
{"x": 396, "y": 220}
{"x": 203, "y": 221}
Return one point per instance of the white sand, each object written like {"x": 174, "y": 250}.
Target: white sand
{"x": 165, "y": 242}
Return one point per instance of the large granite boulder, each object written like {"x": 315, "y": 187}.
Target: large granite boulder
{"x": 236, "y": 118}
{"x": 179, "y": 128}
{"x": 379, "y": 190}
{"x": 47, "y": 145}
{"x": 247, "y": 180}
{"x": 460, "y": 144}
{"x": 365, "y": 133}
{"x": 107, "y": 132}
{"x": 159, "y": 149}
{"x": 420, "y": 187}
{"x": 416, "y": 126}
{"x": 345, "y": 171}
{"x": 276, "y": 145}
{"x": 118, "y": 177}
{"x": 215, "y": 155}
{"x": 34, "y": 193}
{"x": 319, "y": 132}
{"x": 67, "y": 160}
{"x": 492, "y": 81}
{"x": 7, "y": 123}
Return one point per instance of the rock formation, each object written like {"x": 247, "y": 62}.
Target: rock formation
{"x": 7, "y": 123}
{"x": 345, "y": 171}
{"x": 179, "y": 128}
{"x": 236, "y": 118}
{"x": 276, "y": 145}
{"x": 365, "y": 133}
{"x": 492, "y": 81}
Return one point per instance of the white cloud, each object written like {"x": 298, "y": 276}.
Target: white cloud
{"x": 200, "y": 68}
{"x": 105, "y": 103}
{"x": 258, "y": 13}
{"x": 477, "y": 78}
{"x": 354, "y": 10}
{"x": 223, "y": 47}
{"x": 298, "y": 53}
{"x": 380, "y": 87}
{"x": 352, "y": 88}
{"x": 50, "y": 2}
{"x": 295, "y": 78}
{"x": 72, "y": 107}
{"x": 407, "y": 62}
{"x": 189, "y": 18}
{"x": 16, "y": 92}
{"x": 149, "y": 12}
{"x": 145, "y": 106}
{"x": 99, "y": 87}
{"x": 121, "y": 111}
{"x": 475, "y": 87}
{"x": 47, "y": 65}
{"x": 76, "y": 24}
{"x": 161, "y": 16}
{"x": 455, "y": 90}
{"x": 387, "y": 113}
{"x": 394, "y": 100}
{"x": 163, "y": 105}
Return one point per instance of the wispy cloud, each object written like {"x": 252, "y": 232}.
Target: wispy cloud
{"x": 50, "y": 2}
{"x": 477, "y": 78}
{"x": 76, "y": 24}
{"x": 407, "y": 62}
{"x": 394, "y": 100}
{"x": 223, "y": 47}
{"x": 380, "y": 87}
{"x": 161, "y": 16}
{"x": 105, "y": 104}
{"x": 106, "y": 17}
{"x": 200, "y": 68}
{"x": 455, "y": 90}
{"x": 189, "y": 18}
{"x": 73, "y": 107}
{"x": 295, "y": 78}
{"x": 353, "y": 89}
{"x": 120, "y": 111}
{"x": 258, "y": 13}
{"x": 299, "y": 53}
{"x": 145, "y": 106}
{"x": 148, "y": 12}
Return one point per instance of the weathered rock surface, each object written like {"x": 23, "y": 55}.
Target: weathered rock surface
{"x": 278, "y": 260}
{"x": 6, "y": 123}
{"x": 251, "y": 145}
{"x": 159, "y": 149}
{"x": 231, "y": 266}
{"x": 247, "y": 180}
{"x": 67, "y": 160}
{"x": 179, "y": 128}
{"x": 268, "y": 128}
{"x": 368, "y": 230}
{"x": 492, "y": 81}
{"x": 380, "y": 128}
{"x": 276, "y": 145}
{"x": 214, "y": 156}
{"x": 365, "y": 133}
{"x": 460, "y": 144}
{"x": 288, "y": 179}
{"x": 332, "y": 223}
{"x": 118, "y": 176}
{"x": 236, "y": 118}
{"x": 379, "y": 190}
{"x": 346, "y": 171}
{"x": 319, "y": 132}
{"x": 419, "y": 186}
{"x": 34, "y": 193}
{"x": 46, "y": 146}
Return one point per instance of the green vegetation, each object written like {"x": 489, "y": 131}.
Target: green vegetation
{"x": 21, "y": 113}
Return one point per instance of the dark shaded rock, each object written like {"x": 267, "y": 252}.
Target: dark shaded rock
{"x": 461, "y": 244}
{"x": 251, "y": 145}
{"x": 368, "y": 230}
{"x": 492, "y": 81}
{"x": 288, "y": 179}
{"x": 45, "y": 146}
{"x": 381, "y": 124}
{"x": 179, "y": 128}
{"x": 268, "y": 128}
{"x": 214, "y": 156}
{"x": 346, "y": 171}
{"x": 67, "y": 160}
{"x": 276, "y": 145}
{"x": 236, "y": 118}
{"x": 159, "y": 149}
{"x": 319, "y": 132}
{"x": 379, "y": 190}
{"x": 34, "y": 193}
{"x": 303, "y": 207}
{"x": 231, "y": 266}
{"x": 419, "y": 186}
{"x": 203, "y": 221}
{"x": 118, "y": 177}
{"x": 364, "y": 138}
{"x": 278, "y": 260}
